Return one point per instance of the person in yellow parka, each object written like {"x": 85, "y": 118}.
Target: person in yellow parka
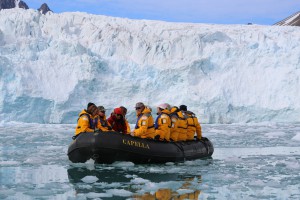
{"x": 162, "y": 123}
{"x": 88, "y": 120}
{"x": 193, "y": 124}
{"x": 124, "y": 111}
{"x": 144, "y": 127}
{"x": 181, "y": 126}
{"x": 104, "y": 124}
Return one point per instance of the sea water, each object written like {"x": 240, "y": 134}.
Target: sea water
{"x": 251, "y": 161}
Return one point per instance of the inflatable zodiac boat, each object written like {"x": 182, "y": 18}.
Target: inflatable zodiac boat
{"x": 108, "y": 147}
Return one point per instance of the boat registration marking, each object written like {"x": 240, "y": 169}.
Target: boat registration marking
{"x": 136, "y": 144}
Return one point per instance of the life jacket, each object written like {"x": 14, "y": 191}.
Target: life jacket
{"x": 181, "y": 118}
{"x": 158, "y": 117}
{"x": 93, "y": 122}
{"x": 141, "y": 115}
{"x": 190, "y": 115}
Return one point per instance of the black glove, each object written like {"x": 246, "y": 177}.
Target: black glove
{"x": 157, "y": 137}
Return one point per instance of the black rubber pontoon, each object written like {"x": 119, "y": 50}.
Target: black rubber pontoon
{"x": 108, "y": 147}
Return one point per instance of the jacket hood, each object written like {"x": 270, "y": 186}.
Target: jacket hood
{"x": 173, "y": 110}
{"x": 146, "y": 110}
{"x": 166, "y": 111}
{"x": 180, "y": 114}
{"x": 83, "y": 112}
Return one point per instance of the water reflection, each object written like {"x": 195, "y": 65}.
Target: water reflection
{"x": 166, "y": 194}
{"x": 134, "y": 184}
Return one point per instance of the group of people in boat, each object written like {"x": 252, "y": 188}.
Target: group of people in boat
{"x": 171, "y": 124}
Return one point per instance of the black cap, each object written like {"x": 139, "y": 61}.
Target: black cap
{"x": 183, "y": 107}
{"x": 90, "y": 104}
{"x": 101, "y": 108}
{"x": 139, "y": 104}
{"x": 124, "y": 109}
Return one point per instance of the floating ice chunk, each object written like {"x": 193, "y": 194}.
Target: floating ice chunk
{"x": 152, "y": 187}
{"x": 130, "y": 176}
{"x": 90, "y": 179}
{"x": 156, "y": 170}
{"x": 108, "y": 185}
{"x": 296, "y": 137}
{"x": 139, "y": 181}
{"x": 189, "y": 163}
{"x": 84, "y": 186}
{"x": 184, "y": 191}
{"x": 169, "y": 163}
{"x": 119, "y": 192}
{"x": 123, "y": 164}
{"x": 274, "y": 134}
{"x": 93, "y": 195}
{"x": 9, "y": 162}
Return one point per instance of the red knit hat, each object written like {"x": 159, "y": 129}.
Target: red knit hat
{"x": 118, "y": 111}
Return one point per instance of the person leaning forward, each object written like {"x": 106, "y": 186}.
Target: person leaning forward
{"x": 104, "y": 124}
{"x": 144, "y": 127}
{"x": 117, "y": 121}
{"x": 124, "y": 112}
{"x": 88, "y": 120}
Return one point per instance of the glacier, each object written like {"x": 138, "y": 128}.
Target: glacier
{"x": 52, "y": 65}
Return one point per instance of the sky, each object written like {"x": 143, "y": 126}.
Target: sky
{"x": 265, "y": 12}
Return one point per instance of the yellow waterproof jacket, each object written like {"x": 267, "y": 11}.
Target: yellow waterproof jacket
{"x": 193, "y": 126}
{"x": 163, "y": 125}
{"x": 144, "y": 127}
{"x": 181, "y": 127}
{"x": 85, "y": 121}
{"x": 173, "y": 130}
{"x": 104, "y": 124}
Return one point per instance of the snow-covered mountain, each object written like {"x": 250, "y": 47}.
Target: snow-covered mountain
{"x": 44, "y": 8}
{"x": 293, "y": 20}
{"x": 8, "y": 4}
{"x": 52, "y": 65}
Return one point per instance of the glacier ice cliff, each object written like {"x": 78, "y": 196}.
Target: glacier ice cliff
{"x": 52, "y": 65}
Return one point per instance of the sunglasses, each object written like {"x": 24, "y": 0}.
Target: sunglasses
{"x": 102, "y": 111}
{"x": 137, "y": 108}
{"x": 119, "y": 115}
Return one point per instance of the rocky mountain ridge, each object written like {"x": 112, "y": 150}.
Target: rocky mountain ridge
{"x": 293, "y": 20}
{"x": 8, "y": 4}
